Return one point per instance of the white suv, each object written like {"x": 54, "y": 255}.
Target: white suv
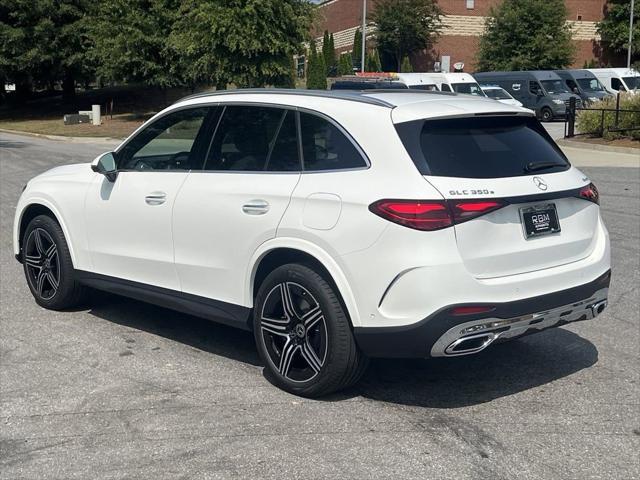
{"x": 336, "y": 226}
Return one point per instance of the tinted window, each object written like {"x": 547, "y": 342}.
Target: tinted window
{"x": 244, "y": 138}
{"x": 325, "y": 147}
{"x": 284, "y": 156}
{"x": 497, "y": 93}
{"x": 534, "y": 87}
{"x": 616, "y": 84}
{"x": 445, "y": 87}
{"x": 166, "y": 144}
{"x": 487, "y": 147}
{"x": 632, "y": 82}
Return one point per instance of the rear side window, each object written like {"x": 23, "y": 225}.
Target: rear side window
{"x": 481, "y": 147}
{"x": 251, "y": 138}
{"x": 325, "y": 147}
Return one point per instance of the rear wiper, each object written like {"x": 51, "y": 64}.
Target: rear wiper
{"x": 535, "y": 166}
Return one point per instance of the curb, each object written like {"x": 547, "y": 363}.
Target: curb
{"x": 563, "y": 142}
{"x": 64, "y": 138}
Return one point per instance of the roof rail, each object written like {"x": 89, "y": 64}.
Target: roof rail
{"x": 349, "y": 95}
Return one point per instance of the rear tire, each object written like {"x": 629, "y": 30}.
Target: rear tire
{"x": 48, "y": 267}
{"x": 303, "y": 335}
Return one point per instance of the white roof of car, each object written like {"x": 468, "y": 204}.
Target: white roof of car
{"x": 406, "y": 105}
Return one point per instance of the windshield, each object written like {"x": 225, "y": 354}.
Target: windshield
{"x": 632, "y": 82}
{"x": 590, "y": 85}
{"x": 480, "y": 147}
{"x": 470, "y": 88}
{"x": 424, "y": 86}
{"x": 497, "y": 93}
{"x": 554, "y": 86}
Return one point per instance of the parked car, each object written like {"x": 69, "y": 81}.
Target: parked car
{"x": 336, "y": 226}
{"x": 541, "y": 91}
{"x": 617, "y": 80}
{"x": 500, "y": 94}
{"x": 585, "y": 84}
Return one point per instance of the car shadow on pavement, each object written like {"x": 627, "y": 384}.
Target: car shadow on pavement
{"x": 202, "y": 334}
{"x": 501, "y": 370}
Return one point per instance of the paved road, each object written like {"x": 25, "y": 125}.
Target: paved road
{"x": 121, "y": 389}
{"x": 555, "y": 129}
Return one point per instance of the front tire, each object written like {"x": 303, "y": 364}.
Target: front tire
{"x": 303, "y": 335}
{"x": 47, "y": 265}
{"x": 546, "y": 115}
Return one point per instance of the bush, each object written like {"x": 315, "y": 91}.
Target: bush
{"x": 588, "y": 121}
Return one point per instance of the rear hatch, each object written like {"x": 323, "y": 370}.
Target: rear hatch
{"x": 520, "y": 206}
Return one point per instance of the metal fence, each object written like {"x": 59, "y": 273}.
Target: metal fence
{"x": 618, "y": 113}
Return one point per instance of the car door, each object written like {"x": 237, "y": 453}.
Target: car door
{"x": 234, "y": 204}
{"x": 128, "y": 221}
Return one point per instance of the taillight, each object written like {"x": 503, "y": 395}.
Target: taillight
{"x": 417, "y": 214}
{"x": 590, "y": 192}
{"x": 464, "y": 210}
{"x": 429, "y": 215}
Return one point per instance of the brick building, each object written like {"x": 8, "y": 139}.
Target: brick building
{"x": 463, "y": 23}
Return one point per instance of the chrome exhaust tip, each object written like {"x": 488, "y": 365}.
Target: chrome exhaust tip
{"x": 471, "y": 344}
{"x": 598, "y": 307}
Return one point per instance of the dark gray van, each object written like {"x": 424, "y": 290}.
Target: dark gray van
{"x": 585, "y": 84}
{"x": 542, "y": 91}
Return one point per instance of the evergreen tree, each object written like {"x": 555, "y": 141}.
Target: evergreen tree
{"x": 345, "y": 65}
{"x": 373, "y": 61}
{"x": 332, "y": 65}
{"x": 316, "y": 69}
{"x": 531, "y": 35}
{"x": 356, "y": 53}
{"x": 406, "y": 66}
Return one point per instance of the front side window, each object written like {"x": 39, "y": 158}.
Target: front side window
{"x": 555, "y": 86}
{"x": 253, "y": 139}
{"x": 445, "y": 87}
{"x": 325, "y": 147}
{"x": 590, "y": 85}
{"x": 167, "y": 144}
{"x": 534, "y": 87}
{"x": 430, "y": 87}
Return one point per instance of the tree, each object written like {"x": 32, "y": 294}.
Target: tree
{"x": 614, "y": 28}
{"x": 345, "y": 66}
{"x": 530, "y": 35}
{"x": 373, "y": 61}
{"x": 130, "y": 42}
{"x": 356, "y": 53}
{"x": 249, "y": 43}
{"x": 43, "y": 42}
{"x": 406, "y": 26}
{"x": 406, "y": 66}
{"x": 316, "y": 69}
{"x": 329, "y": 54}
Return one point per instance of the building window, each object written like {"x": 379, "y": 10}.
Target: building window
{"x": 471, "y": 4}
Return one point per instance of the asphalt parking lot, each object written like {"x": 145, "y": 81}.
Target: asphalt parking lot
{"x": 121, "y": 389}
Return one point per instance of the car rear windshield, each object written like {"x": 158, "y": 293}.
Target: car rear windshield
{"x": 481, "y": 147}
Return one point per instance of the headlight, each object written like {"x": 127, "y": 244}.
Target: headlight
{"x": 557, "y": 101}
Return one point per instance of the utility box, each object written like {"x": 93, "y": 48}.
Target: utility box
{"x": 75, "y": 119}
{"x": 95, "y": 115}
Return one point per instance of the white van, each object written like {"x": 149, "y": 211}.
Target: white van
{"x": 461, "y": 83}
{"x": 618, "y": 79}
{"x": 419, "y": 81}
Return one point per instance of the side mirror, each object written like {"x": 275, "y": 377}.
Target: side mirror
{"x": 106, "y": 165}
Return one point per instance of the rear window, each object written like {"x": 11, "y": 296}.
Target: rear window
{"x": 481, "y": 147}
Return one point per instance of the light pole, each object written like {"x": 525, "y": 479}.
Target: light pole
{"x": 364, "y": 35}
{"x": 630, "y": 36}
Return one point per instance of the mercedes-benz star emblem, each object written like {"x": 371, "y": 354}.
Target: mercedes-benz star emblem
{"x": 540, "y": 183}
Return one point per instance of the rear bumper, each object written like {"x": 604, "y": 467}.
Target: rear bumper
{"x": 435, "y": 335}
